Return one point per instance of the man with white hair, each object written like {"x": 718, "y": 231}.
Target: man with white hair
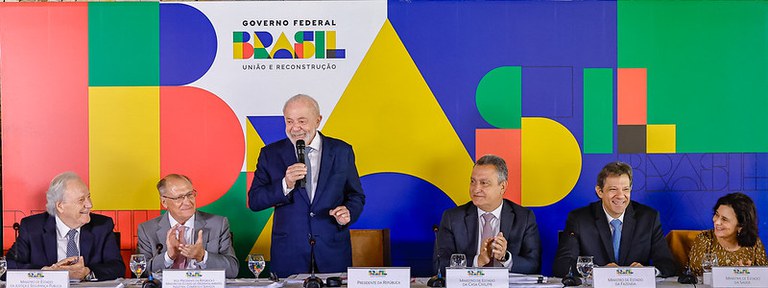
{"x": 68, "y": 236}
{"x": 315, "y": 200}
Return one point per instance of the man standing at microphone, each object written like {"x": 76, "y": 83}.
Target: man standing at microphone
{"x": 318, "y": 198}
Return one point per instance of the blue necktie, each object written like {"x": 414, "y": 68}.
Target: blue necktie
{"x": 616, "y": 224}
{"x": 71, "y": 244}
{"x": 309, "y": 172}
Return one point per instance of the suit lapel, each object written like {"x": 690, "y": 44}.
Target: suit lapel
{"x": 627, "y": 233}
{"x": 326, "y": 165}
{"x": 470, "y": 220}
{"x": 288, "y": 154}
{"x": 163, "y": 225}
{"x": 602, "y": 228}
{"x": 507, "y": 218}
{"x": 86, "y": 241}
{"x": 200, "y": 225}
{"x": 49, "y": 240}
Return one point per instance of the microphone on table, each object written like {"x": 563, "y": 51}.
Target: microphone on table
{"x": 16, "y": 227}
{"x": 571, "y": 279}
{"x": 437, "y": 280}
{"x": 300, "y": 152}
{"x": 312, "y": 281}
{"x": 151, "y": 282}
{"x": 687, "y": 277}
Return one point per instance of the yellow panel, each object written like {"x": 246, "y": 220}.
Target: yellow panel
{"x": 253, "y": 144}
{"x": 330, "y": 39}
{"x": 416, "y": 139}
{"x": 124, "y": 147}
{"x": 264, "y": 242}
{"x": 661, "y": 138}
{"x": 237, "y": 49}
{"x": 551, "y": 161}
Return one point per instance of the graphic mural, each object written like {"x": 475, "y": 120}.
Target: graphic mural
{"x": 124, "y": 93}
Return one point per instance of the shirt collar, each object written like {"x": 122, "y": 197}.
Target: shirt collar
{"x": 190, "y": 223}
{"x": 496, "y": 212}
{"x": 608, "y": 216}
{"x": 62, "y": 229}
{"x": 317, "y": 142}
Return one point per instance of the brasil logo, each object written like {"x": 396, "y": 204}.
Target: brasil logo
{"x": 306, "y": 45}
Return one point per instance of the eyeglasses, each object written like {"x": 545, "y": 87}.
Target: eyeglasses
{"x": 191, "y": 196}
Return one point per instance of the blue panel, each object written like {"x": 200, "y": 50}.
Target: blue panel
{"x": 548, "y": 92}
{"x": 409, "y": 207}
{"x": 455, "y": 43}
{"x": 187, "y": 44}
{"x": 265, "y": 38}
{"x": 269, "y": 128}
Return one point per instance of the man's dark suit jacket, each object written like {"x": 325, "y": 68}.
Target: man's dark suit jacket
{"x": 36, "y": 246}
{"x": 295, "y": 218}
{"x": 459, "y": 231}
{"x": 587, "y": 232}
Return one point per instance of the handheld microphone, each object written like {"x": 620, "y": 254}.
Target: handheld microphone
{"x": 300, "y": 146}
{"x": 312, "y": 281}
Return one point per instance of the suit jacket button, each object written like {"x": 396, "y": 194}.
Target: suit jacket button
{"x": 311, "y": 214}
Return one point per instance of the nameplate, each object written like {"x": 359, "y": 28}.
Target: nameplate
{"x": 639, "y": 277}
{"x": 739, "y": 276}
{"x": 173, "y": 278}
{"x": 37, "y": 279}
{"x": 491, "y": 277}
{"x": 394, "y": 277}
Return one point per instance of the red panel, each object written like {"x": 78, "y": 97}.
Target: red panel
{"x": 632, "y": 99}
{"x": 200, "y": 137}
{"x": 506, "y": 144}
{"x": 44, "y": 68}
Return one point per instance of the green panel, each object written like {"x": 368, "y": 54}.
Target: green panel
{"x": 245, "y": 224}
{"x": 260, "y": 53}
{"x": 707, "y": 69}
{"x": 319, "y": 44}
{"x": 598, "y": 110}
{"x": 123, "y": 44}
{"x": 498, "y": 97}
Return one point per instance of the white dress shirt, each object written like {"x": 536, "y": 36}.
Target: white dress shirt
{"x": 495, "y": 224}
{"x": 621, "y": 218}
{"x": 314, "y": 160}
{"x": 189, "y": 239}
{"x": 62, "y": 240}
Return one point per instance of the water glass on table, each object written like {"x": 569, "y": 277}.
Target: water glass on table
{"x": 458, "y": 261}
{"x": 3, "y": 265}
{"x": 138, "y": 264}
{"x": 584, "y": 265}
{"x": 256, "y": 264}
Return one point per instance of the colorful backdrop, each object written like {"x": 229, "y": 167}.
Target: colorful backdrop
{"x": 124, "y": 93}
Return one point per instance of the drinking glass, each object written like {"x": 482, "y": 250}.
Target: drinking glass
{"x": 138, "y": 264}
{"x": 584, "y": 265}
{"x": 256, "y": 264}
{"x": 3, "y": 265}
{"x": 458, "y": 261}
{"x": 708, "y": 261}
